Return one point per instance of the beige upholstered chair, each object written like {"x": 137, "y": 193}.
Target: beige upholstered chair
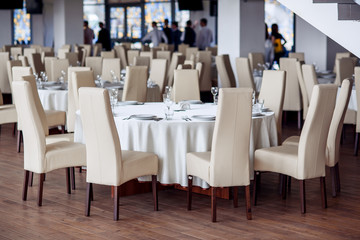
{"x": 27, "y": 53}
{"x": 147, "y": 54}
{"x": 304, "y": 94}
{"x": 213, "y": 50}
{"x": 154, "y": 51}
{"x": 190, "y": 51}
{"x": 186, "y": 85}
{"x": 308, "y": 160}
{"x": 300, "y": 56}
{"x": 191, "y": 63}
{"x": 4, "y": 82}
{"x": 205, "y": 80}
{"x": 199, "y": 68}
{"x": 142, "y": 61}
{"x": 292, "y": 100}
{"x": 357, "y": 87}
{"x": 227, "y": 165}
{"x": 256, "y": 59}
{"x": 340, "y": 55}
{"x": 7, "y": 112}
{"x": 127, "y": 45}
{"x": 73, "y": 58}
{"x": 182, "y": 48}
{"x": 83, "y": 56}
{"x": 164, "y": 55}
{"x": 273, "y": 93}
{"x": 67, "y": 47}
{"x": 245, "y": 76}
{"x": 145, "y": 48}
{"x": 110, "y": 64}
{"x": 344, "y": 69}
{"x": 9, "y": 65}
{"x": 57, "y": 66}
{"x": 135, "y": 87}
{"x": 81, "y": 79}
{"x": 70, "y": 116}
{"x": 131, "y": 54}
{"x": 108, "y": 54}
{"x": 176, "y": 59}
{"x": 62, "y": 53}
{"x": 46, "y": 54}
{"x": 163, "y": 46}
{"x": 15, "y": 52}
{"x": 107, "y": 164}
{"x": 40, "y": 157}
{"x": 88, "y": 49}
{"x": 184, "y": 66}
{"x": 48, "y": 69}
{"x": 24, "y": 61}
{"x": 158, "y": 72}
{"x": 95, "y": 63}
{"x": 97, "y": 48}
{"x": 333, "y": 139}
{"x": 310, "y": 78}
{"x": 36, "y": 63}
{"x": 227, "y": 78}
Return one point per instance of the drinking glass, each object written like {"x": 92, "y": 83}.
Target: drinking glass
{"x": 168, "y": 102}
{"x": 168, "y": 90}
{"x": 261, "y": 104}
{"x": 113, "y": 93}
{"x": 215, "y": 92}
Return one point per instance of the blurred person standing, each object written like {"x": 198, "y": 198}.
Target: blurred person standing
{"x": 205, "y": 36}
{"x": 168, "y": 32}
{"x": 278, "y": 42}
{"x": 88, "y": 34}
{"x": 176, "y": 35}
{"x": 104, "y": 37}
{"x": 189, "y": 35}
{"x": 155, "y": 35}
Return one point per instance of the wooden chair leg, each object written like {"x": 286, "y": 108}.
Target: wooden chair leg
{"x": 62, "y": 129}
{"x": 25, "y": 186}
{"x": 337, "y": 174}
{"x": 80, "y": 169}
{"x": 189, "y": 192}
{"x": 116, "y": 202}
{"x": 72, "y": 175}
{"x": 248, "y": 204}
{"x": 289, "y": 184}
{"x": 68, "y": 183}
{"x": 235, "y": 197}
{"x": 41, "y": 186}
{"x": 213, "y": 204}
{"x": 299, "y": 119}
{"x": 284, "y": 186}
{"x": 323, "y": 192}
{"x": 356, "y": 147}
{"x": 333, "y": 181}
{"x": 91, "y": 193}
{"x": 155, "y": 192}
{"x": 255, "y": 187}
{"x": 88, "y": 199}
{"x": 14, "y": 128}
{"x": 19, "y": 140}
{"x": 31, "y": 178}
{"x": 302, "y": 196}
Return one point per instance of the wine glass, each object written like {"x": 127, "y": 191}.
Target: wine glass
{"x": 113, "y": 93}
{"x": 168, "y": 102}
{"x": 168, "y": 90}
{"x": 261, "y": 104}
{"x": 215, "y": 92}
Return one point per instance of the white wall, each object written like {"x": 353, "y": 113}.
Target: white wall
{"x": 5, "y": 27}
{"x": 37, "y": 29}
{"x": 48, "y": 22}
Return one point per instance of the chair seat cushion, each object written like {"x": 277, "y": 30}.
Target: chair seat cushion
{"x": 69, "y": 137}
{"x": 281, "y": 159}
{"x": 8, "y": 115}
{"x": 55, "y": 118}
{"x": 293, "y": 141}
{"x": 137, "y": 164}
{"x": 64, "y": 154}
{"x": 198, "y": 164}
{"x": 6, "y": 106}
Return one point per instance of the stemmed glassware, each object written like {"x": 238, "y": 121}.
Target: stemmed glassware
{"x": 114, "y": 78}
{"x": 169, "y": 113}
{"x": 215, "y": 92}
{"x": 113, "y": 93}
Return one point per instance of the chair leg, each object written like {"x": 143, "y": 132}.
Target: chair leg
{"x": 213, "y": 204}
{"x": 323, "y": 192}
{"x": 284, "y": 186}
{"x": 299, "y": 119}
{"x": 88, "y": 199}
{"x": 19, "y": 140}
{"x": 72, "y": 175}
{"x": 333, "y": 181}
{"x": 116, "y": 202}
{"x": 62, "y": 129}
{"x": 41, "y": 186}
{"x": 255, "y": 187}
{"x": 356, "y": 147}
{"x": 31, "y": 178}
{"x": 235, "y": 197}
{"x": 189, "y": 192}
{"x": 289, "y": 184}
{"x": 302, "y": 196}
{"x": 91, "y": 193}
{"x": 14, "y": 128}
{"x": 68, "y": 187}
{"x": 25, "y": 186}
{"x": 248, "y": 204}
{"x": 337, "y": 174}
{"x": 80, "y": 169}
{"x": 155, "y": 192}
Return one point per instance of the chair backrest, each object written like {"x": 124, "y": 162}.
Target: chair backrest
{"x": 95, "y": 63}
{"x": 73, "y": 58}
{"x": 310, "y": 78}
{"x": 81, "y": 79}
{"x": 158, "y": 72}
{"x": 292, "y": 100}
{"x": 273, "y": 92}
{"x": 110, "y": 64}
{"x": 255, "y": 59}
{"x": 135, "y": 87}
{"x": 88, "y": 49}
{"x": 186, "y": 85}
{"x": 27, "y": 53}
{"x": 9, "y": 65}
{"x": 304, "y": 94}
{"x": 312, "y": 143}
{"x": 103, "y": 151}
{"x": 190, "y": 51}
{"x": 199, "y": 68}
{"x": 145, "y": 48}
{"x": 206, "y": 59}
{"x": 67, "y": 47}
{"x": 300, "y": 56}
{"x": 108, "y": 54}
{"x": 175, "y": 61}
{"x": 37, "y": 65}
{"x": 357, "y": 90}
{"x": 70, "y": 115}
{"x": 131, "y": 54}
{"x": 163, "y": 46}
{"x": 344, "y": 69}
{"x": 97, "y": 49}
{"x": 213, "y": 50}
{"x": 15, "y": 52}
{"x": 142, "y": 61}
{"x": 229, "y": 164}
{"x": 336, "y": 125}
{"x": 127, "y": 45}
{"x": 244, "y": 73}
{"x": 83, "y": 56}
{"x": 182, "y": 48}
{"x": 164, "y": 55}
{"x": 154, "y": 51}
{"x": 62, "y": 53}
{"x": 48, "y": 69}
{"x": 147, "y": 54}
{"x": 34, "y": 129}
{"x": 184, "y": 66}
{"x": 24, "y": 61}
{"x": 4, "y": 81}
{"x": 43, "y": 55}
{"x": 227, "y": 78}
{"x": 340, "y": 55}
{"x": 191, "y": 63}
{"x": 19, "y": 72}
{"x": 57, "y": 66}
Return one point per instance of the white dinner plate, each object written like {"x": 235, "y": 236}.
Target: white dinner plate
{"x": 127, "y": 103}
{"x": 192, "y": 102}
{"x": 204, "y": 117}
{"x": 49, "y": 83}
{"x": 257, "y": 115}
{"x": 54, "y": 87}
{"x": 143, "y": 117}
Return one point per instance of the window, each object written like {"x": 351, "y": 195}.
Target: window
{"x": 117, "y": 25}
{"x": 94, "y": 12}
{"x": 22, "y": 28}
{"x": 181, "y": 17}
{"x": 158, "y": 12}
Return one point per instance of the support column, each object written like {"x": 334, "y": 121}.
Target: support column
{"x": 5, "y": 27}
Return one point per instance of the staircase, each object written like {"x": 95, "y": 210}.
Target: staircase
{"x": 338, "y": 19}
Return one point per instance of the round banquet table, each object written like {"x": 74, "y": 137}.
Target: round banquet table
{"x": 172, "y": 139}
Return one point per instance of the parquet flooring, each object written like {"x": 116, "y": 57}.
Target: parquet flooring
{"x": 62, "y": 215}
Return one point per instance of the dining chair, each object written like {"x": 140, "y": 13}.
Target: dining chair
{"x": 357, "y": 90}
{"x": 184, "y": 66}
{"x": 24, "y": 61}
{"x": 131, "y": 54}
{"x": 67, "y": 47}
{"x": 310, "y": 78}
{"x": 40, "y": 157}
{"x": 62, "y": 53}
{"x": 110, "y": 64}
{"x": 304, "y": 93}
{"x": 7, "y": 113}
{"x": 191, "y": 63}
{"x": 205, "y": 81}
{"x": 135, "y": 87}
{"x": 244, "y": 73}
{"x": 108, "y": 54}
{"x": 81, "y": 79}
{"x": 149, "y": 54}
{"x": 292, "y": 99}
{"x": 213, "y": 50}
{"x": 80, "y": 52}
{"x": 176, "y": 59}
{"x": 73, "y": 58}
{"x": 300, "y": 56}
{"x": 15, "y": 52}
{"x": 186, "y": 85}
{"x": 97, "y": 48}
{"x": 334, "y": 135}
{"x": 83, "y": 56}
{"x": 164, "y": 55}
{"x": 340, "y": 55}
{"x": 199, "y": 68}
{"x": 57, "y": 66}
{"x": 189, "y": 51}
{"x": 127, "y": 45}
{"x": 4, "y": 82}
{"x": 308, "y": 159}
{"x": 344, "y": 69}
{"x": 48, "y": 68}
{"x": 87, "y": 47}
{"x": 36, "y": 63}
{"x": 27, "y": 53}
{"x": 223, "y": 66}
{"x": 107, "y": 163}
{"x": 163, "y": 46}
{"x": 158, "y": 73}
{"x": 154, "y": 51}
{"x": 182, "y": 48}
{"x": 145, "y": 48}
{"x": 255, "y": 59}
{"x": 96, "y": 65}
{"x": 171, "y": 48}
{"x": 142, "y": 61}
{"x": 227, "y": 164}
{"x": 9, "y": 65}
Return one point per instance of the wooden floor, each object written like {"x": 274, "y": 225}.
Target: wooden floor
{"x": 62, "y": 215}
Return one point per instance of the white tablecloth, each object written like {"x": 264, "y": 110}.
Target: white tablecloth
{"x": 171, "y": 140}
{"x": 54, "y": 99}
{"x": 257, "y": 81}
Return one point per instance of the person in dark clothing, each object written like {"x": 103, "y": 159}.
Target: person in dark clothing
{"x": 189, "y": 35}
{"x": 176, "y": 35}
{"x": 276, "y": 39}
{"x": 168, "y": 32}
{"x": 104, "y": 37}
